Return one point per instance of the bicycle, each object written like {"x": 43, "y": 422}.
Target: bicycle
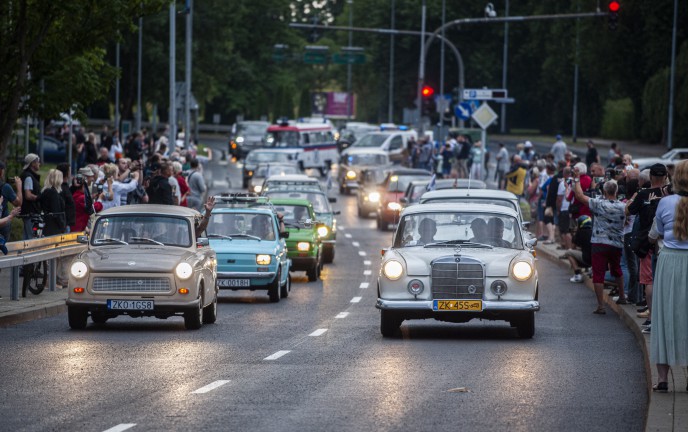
{"x": 35, "y": 274}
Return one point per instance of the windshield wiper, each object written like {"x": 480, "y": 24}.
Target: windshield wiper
{"x": 293, "y": 225}
{"x": 222, "y": 236}
{"x": 110, "y": 240}
{"x": 466, "y": 243}
{"x": 146, "y": 239}
{"x": 249, "y": 236}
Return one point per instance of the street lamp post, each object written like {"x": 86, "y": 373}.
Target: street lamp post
{"x": 421, "y": 69}
{"x": 390, "y": 106}
{"x": 441, "y": 99}
{"x": 348, "y": 66}
{"x": 504, "y": 66}
{"x": 138, "y": 75}
{"x": 187, "y": 70}
{"x": 173, "y": 106}
{"x": 670, "y": 126}
{"x": 117, "y": 88}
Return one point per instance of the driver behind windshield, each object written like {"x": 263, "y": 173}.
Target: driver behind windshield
{"x": 427, "y": 230}
{"x": 495, "y": 230}
{"x": 479, "y": 229}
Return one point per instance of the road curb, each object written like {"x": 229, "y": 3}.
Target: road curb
{"x": 33, "y": 313}
{"x": 654, "y": 414}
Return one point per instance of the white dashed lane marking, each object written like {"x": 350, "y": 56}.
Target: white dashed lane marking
{"x": 121, "y": 427}
{"x": 356, "y": 299}
{"x": 342, "y": 315}
{"x": 367, "y": 272}
{"x": 366, "y": 262}
{"x": 347, "y": 235}
{"x": 355, "y": 244}
{"x": 362, "y": 253}
{"x": 209, "y": 387}
{"x": 364, "y": 285}
{"x": 276, "y": 355}
{"x": 318, "y": 332}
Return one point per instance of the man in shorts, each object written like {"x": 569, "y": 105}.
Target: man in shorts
{"x": 607, "y": 237}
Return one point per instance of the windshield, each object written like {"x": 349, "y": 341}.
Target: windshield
{"x": 282, "y": 139}
{"x": 293, "y": 214}
{"x": 168, "y": 230}
{"x": 473, "y": 200}
{"x": 251, "y": 129}
{"x": 267, "y": 171}
{"x": 241, "y": 225}
{"x": 370, "y": 140}
{"x": 399, "y": 183}
{"x": 318, "y": 200}
{"x": 458, "y": 228}
{"x": 256, "y": 157}
{"x": 366, "y": 159}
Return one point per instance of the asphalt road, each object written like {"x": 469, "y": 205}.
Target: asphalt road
{"x": 316, "y": 362}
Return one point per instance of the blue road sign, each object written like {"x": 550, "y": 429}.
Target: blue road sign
{"x": 463, "y": 110}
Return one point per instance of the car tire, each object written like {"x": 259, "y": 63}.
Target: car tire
{"x": 328, "y": 254}
{"x": 342, "y": 190}
{"x": 98, "y": 318}
{"x": 360, "y": 213}
{"x": 274, "y": 289}
{"x": 193, "y": 320}
{"x": 389, "y": 323}
{"x": 381, "y": 225}
{"x": 244, "y": 183}
{"x": 313, "y": 272}
{"x": 77, "y": 317}
{"x": 286, "y": 288}
{"x": 525, "y": 326}
{"x": 210, "y": 312}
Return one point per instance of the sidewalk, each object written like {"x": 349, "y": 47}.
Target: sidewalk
{"x": 666, "y": 411}
{"x": 30, "y": 307}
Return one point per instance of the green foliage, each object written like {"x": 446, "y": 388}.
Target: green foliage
{"x": 618, "y": 119}
{"x": 305, "y": 103}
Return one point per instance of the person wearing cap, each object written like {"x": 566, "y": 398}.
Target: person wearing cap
{"x": 84, "y": 204}
{"x": 9, "y": 196}
{"x": 581, "y": 257}
{"x": 527, "y": 154}
{"x": 516, "y": 178}
{"x": 559, "y": 149}
{"x": 31, "y": 182}
{"x": 644, "y": 204}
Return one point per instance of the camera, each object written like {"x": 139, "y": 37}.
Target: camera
{"x": 99, "y": 188}
{"x": 79, "y": 179}
{"x": 569, "y": 181}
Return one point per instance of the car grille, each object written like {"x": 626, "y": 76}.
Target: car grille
{"x": 149, "y": 285}
{"x": 462, "y": 279}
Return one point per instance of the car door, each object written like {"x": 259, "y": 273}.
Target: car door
{"x": 396, "y": 149}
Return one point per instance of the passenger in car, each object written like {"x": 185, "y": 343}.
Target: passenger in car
{"x": 479, "y": 229}
{"x": 427, "y": 230}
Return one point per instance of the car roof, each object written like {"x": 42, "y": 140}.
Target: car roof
{"x": 442, "y": 184}
{"x": 293, "y": 178}
{"x": 460, "y": 193}
{"x": 452, "y": 207}
{"x": 291, "y": 201}
{"x": 408, "y": 171}
{"x": 153, "y": 209}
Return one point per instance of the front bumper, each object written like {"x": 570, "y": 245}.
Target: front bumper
{"x": 166, "y": 307}
{"x": 303, "y": 263}
{"x": 488, "y": 306}
{"x": 257, "y": 278}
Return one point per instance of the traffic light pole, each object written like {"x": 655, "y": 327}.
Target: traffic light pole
{"x": 421, "y": 72}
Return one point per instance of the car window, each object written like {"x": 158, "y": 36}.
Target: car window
{"x": 370, "y": 140}
{"x": 396, "y": 144}
{"x": 251, "y": 129}
{"x": 236, "y": 224}
{"x": 282, "y": 139}
{"x": 399, "y": 183}
{"x": 267, "y": 157}
{"x": 169, "y": 230}
{"x": 366, "y": 159}
{"x": 473, "y": 200}
{"x": 423, "y": 229}
{"x": 293, "y": 214}
{"x": 318, "y": 201}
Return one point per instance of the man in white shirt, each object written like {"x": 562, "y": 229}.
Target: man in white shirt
{"x": 503, "y": 165}
{"x": 559, "y": 149}
{"x": 563, "y": 208}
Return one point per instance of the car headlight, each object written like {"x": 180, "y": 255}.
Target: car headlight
{"x": 323, "y": 231}
{"x": 79, "y": 269}
{"x": 374, "y": 197}
{"x": 303, "y": 246}
{"x": 394, "y": 206}
{"x": 183, "y": 270}
{"x": 393, "y": 269}
{"x": 263, "y": 259}
{"x": 250, "y": 173}
{"x": 240, "y": 140}
{"x": 522, "y": 271}
{"x": 234, "y": 146}
{"x": 351, "y": 174}
{"x": 258, "y": 188}
{"x": 498, "y": 288}
{"x": 415, "y": 287}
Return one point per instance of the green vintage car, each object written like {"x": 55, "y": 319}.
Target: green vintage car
{"x": 304, "y": 246}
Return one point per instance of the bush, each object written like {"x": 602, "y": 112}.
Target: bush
{"x": 618, "y": 120}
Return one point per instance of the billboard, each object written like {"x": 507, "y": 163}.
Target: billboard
{"x": 332, "y": 104}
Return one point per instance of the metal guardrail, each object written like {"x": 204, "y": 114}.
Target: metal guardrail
{"x": 20, "y": 253}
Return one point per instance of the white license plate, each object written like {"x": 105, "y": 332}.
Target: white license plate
{"x": 234, "y": 283}
{"x": 130, "y": 304}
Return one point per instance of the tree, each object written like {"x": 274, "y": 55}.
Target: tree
{"x": 59, "y": 44}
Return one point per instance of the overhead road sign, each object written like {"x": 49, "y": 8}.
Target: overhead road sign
{"x": 485, "y": 94}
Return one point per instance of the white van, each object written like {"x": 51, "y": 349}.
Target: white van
{"x": 394, "y": 143}
{"x": 314, "y": 141}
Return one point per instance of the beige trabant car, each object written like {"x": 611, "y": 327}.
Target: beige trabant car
{"x": 456, "y": 262}
{"x": 144, "y": 260}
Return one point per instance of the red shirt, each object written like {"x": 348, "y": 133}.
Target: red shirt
{"x": 183, "y": 188}
{"x": 81, "y": 217}
{"x": 582, "y": 209}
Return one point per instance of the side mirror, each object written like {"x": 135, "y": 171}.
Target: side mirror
{"x": 531, "y": 243}
{"x": 332, "y": 199}
{"x": 83, "y": 239}
{"x": 525, "y": 224}
{"x": 403, "y": 200}
{"x": 308, "y": 223}
{"x": 284, "y": 235}
{"x": 337, "y": 212}
{"x": 202, "y": 241}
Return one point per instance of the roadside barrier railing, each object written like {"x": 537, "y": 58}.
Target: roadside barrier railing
{"x": 20, "y": 253}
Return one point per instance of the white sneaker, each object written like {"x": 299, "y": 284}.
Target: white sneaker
{"x": 577, "y": 278}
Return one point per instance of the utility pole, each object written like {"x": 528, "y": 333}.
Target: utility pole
{"x": 187, "y": 70}
{"x": 139, "y": 108}
{"x": 116, "y": 88}
{"x": 502, "y": 121}
{"x": 390, "y": 107}
{"x": 348, "y": 66}
{"x": 574, "y": 127}
{"x": 173, "y": 107}
{"x": 670, "y": 127}
{"x": 442, "y": 100}
{"x": 421, "y": 70}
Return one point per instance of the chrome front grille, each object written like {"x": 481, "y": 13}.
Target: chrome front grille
{"x": 457, "y": 278}
{"x": 132, "y": 284}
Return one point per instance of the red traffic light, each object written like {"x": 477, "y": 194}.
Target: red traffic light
{"x": 614, "y": 6}
{"x": 427, "y": 91}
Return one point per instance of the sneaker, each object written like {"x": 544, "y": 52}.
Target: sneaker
{"x": 646, "y": 330}
{"x": 645, "y": 314}
{"x": 577, "y": 278}
{"x": 641, "y": 304}
{"x": 646, "y": 323}
{"x": 642, "y": 309}
{"x": 622, "y": 301}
